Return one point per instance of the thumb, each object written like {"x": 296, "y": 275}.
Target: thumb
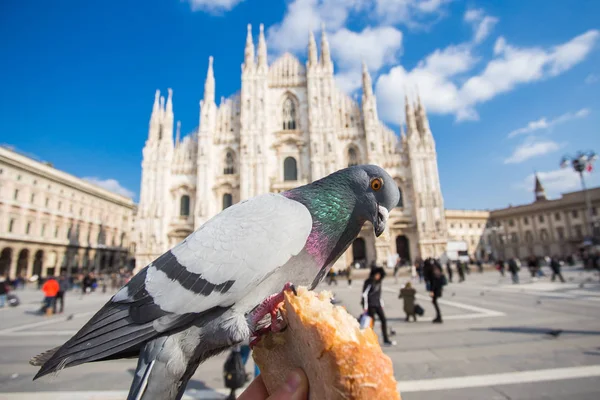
{"x": 294, "y": 388}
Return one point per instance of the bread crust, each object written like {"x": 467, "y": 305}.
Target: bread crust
{"x": 340, "y": 360}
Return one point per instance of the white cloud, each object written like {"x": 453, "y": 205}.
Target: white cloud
{"x": 213, "y": 6}
{"x": 557, "y": 181}
{"x": 591, "y": 79}
{"x": 531, "y": 148}
{"x": 441, "y": 88}
{"x": 303, "y": 16}
{"x": 112, "y": 185}
{"x": 482, "y": 23}
{"x": 565, "y": 56}
{"x": 432, "y": 78}
{"x": 377, "y": 46}
{"x": 543, "y": 122}
{"x": 408, "y": 12}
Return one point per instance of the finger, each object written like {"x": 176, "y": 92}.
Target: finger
{"x": 295, "y": 387}
{"x": 255, "y": 391}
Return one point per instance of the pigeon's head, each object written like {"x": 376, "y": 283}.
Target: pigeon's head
{"x": 376, "y": 194}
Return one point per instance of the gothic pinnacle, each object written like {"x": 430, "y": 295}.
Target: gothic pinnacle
{"x": 249, "y": 51}
{"x": 325, "y": 53}
{"x": 366, "y": 81}
{"x": 209, "y": 84}
{"x": 312, "y": 49}
{"x": 169, "y": 106}
{"x": 262, "y": 47}
{"x": 156, "y": 105}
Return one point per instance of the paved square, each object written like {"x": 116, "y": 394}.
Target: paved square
{"x": 536, "y": 340}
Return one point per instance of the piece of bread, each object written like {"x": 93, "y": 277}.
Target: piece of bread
{"x": 340, "y": 360}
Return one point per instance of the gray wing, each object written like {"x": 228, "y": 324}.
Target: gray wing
{"x": 211, "y": 269}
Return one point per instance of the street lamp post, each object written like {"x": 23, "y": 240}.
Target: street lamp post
{"x": 583, "y": 161}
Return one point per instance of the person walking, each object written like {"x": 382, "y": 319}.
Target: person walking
{"x": 331, "y": 277}
{"x": 500, "y": 267}
{"x": 50, "y": 289}
{"x": 428, "y": 267}
{"x": 480, "y": 266}
{"x": 234, "y": 371}
{"x": 372, "y": 303}
{"x": 407, "y": 293}
{"x": 555, "y": 266}
{"x": 436, "y": 288}
{"x": 513, "y": 268}
{"x": 349, "y": 274}
{"x": 449, "y": 270}
{"x": 3, "y": 291}
{"x": 461, "y": 271}
{"x": 533, "y": 265}
{"x": 419, "y": 268}
{"x": 86, "y": 283}
{"x": 63, "y": 286}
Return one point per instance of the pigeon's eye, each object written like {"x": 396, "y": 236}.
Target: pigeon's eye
{"x": 376, "y": 184}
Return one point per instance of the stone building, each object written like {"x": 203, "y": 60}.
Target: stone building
{"x": 50, "y": 220}
{"x": 472, "y": 228}
{"x": 545, "y": 227}
{"x": 288, "y": 125}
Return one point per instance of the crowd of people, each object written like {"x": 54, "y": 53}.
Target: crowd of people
{"x": 55, "y": 288}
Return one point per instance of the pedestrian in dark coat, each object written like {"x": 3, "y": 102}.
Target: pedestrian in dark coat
{"x": 372, "y": 302}
{"x": 461, "y": 271}
{"x": 437, "y": 285}
{"x": 408, "y": 295}
{"x": 533, "y": 265}
{"x": 500, "y": 267}
{"x": 513, "y": 268}
{"x": 428, "y": 267}
{"x": 63, "y": 286}
{"x": 555, "y": 266}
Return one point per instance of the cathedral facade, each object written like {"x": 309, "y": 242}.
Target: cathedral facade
{"x": 288, "y": 126}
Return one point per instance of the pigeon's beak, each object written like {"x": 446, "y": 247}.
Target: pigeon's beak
{"x": 380, "y": 220}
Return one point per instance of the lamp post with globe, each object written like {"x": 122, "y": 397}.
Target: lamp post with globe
{"x": 583, "y": 161}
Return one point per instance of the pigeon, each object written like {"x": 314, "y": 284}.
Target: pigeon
{"x": 215, "y": 288}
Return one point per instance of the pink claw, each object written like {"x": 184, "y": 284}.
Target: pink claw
{"x": 270, "y": 306}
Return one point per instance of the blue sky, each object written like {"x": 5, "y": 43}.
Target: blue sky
{"x": 510, "y": 86}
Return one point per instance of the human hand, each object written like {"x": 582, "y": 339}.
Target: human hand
{"x": 294, "y": 388}
{"x": 430, "y": 294}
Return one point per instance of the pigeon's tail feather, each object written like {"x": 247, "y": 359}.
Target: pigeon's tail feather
{"x": 109, "y": 334}
{"x": 40, "y": 359}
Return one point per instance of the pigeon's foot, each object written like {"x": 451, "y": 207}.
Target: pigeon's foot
{"x": 270, "y": 306}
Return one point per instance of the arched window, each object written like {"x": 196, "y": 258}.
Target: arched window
{"x": 289, "y": 114}
{"x": 229, "y": 167}
{"x": 528, "y": 237}
{"x": 401, "y": 199}
{"x": 227, "y": 200}
{"x": 290, "y": 171}
{"x": 352, "y": 157}
{"x": 184, "y": 205}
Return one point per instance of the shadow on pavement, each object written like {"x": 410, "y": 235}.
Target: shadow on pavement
{"x": 536, "y": 330}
